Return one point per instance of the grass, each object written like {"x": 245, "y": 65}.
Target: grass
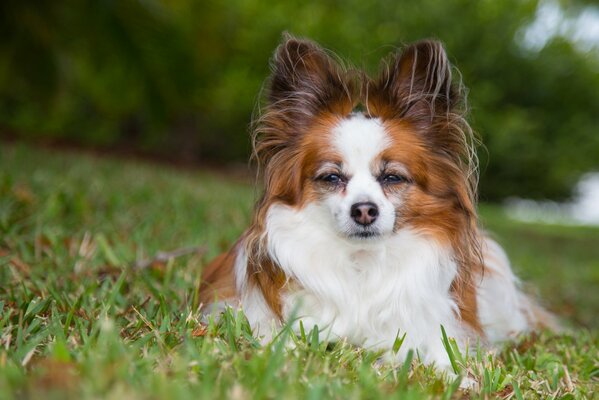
{"x": 78, "y": 321}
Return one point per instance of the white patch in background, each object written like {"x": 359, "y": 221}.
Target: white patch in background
{"x": 582, "y": 210}
{"x": 579, "y": 26}
{"x": 585, "y": 208}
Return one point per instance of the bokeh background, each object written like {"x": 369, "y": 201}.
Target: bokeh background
{"x": 179, "y": 79}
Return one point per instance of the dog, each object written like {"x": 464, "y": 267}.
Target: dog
{"x": 367, "y": 228}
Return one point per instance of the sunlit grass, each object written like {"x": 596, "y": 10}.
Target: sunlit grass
{"x": 78, "y": 321}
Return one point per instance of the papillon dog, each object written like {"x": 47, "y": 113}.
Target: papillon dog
{"x": 368, "y": 228}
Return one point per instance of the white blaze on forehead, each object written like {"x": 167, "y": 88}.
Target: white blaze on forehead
{"x": 360, "y": 140}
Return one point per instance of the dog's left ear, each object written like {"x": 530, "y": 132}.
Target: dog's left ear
{"x": 415, "y": 84}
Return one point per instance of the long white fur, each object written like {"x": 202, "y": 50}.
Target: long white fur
{"x": 369, "y": 291}
{"x": 503, "y": 310}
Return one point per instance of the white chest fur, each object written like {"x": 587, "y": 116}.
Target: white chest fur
{"x": 364, "y": 291}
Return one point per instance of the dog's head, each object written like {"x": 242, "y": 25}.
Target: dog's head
{"x": 404, "y": 161}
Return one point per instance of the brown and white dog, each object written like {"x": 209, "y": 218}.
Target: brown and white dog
{"x": 368, "y": 226}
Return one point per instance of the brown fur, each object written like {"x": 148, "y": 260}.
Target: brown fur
{"x": 218, "y": 279}
{"x": 269, "y": 278}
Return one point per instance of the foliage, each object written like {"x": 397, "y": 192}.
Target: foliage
{"x": 77, "y": 321}
{"x": 181, "y": 78}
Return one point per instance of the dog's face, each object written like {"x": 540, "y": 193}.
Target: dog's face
{"x": 403, "y": 162}
{"x": 359, "y": 188}
{"x": 352, "y": 174}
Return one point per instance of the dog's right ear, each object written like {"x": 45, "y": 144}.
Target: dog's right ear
{"x": 305, "y": 80}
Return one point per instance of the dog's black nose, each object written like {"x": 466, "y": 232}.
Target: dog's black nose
{"x": 364, "y": 213}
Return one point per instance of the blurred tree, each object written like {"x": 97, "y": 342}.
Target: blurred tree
{"x": 181, "y": 78}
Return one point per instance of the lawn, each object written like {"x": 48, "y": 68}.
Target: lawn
{"x": 80, "y": 319}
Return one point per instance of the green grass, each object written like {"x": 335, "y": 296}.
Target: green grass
{"x": 77, "y": 321}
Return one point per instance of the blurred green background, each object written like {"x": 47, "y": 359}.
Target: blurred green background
{"x": 179, "y": 79}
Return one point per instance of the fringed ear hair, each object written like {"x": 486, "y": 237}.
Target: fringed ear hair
{"x": 305, "y": 81}
{"x": 415, "y": 84}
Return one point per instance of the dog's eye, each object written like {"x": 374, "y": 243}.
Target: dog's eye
{"x": 392, "y": 178}
{"x": 331, "y": 178}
